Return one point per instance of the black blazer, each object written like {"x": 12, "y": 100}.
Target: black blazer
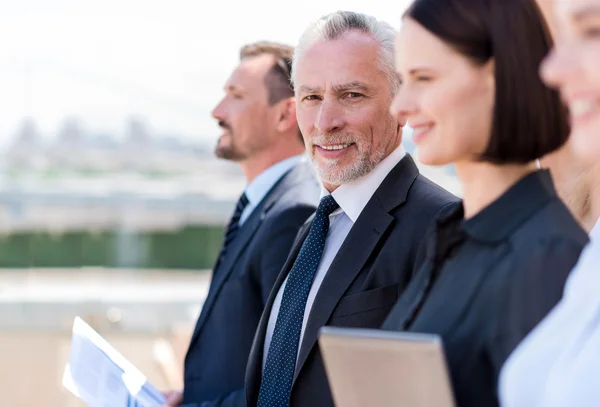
{"x": 371, "y": 269}
{"x": 489, "y": 280}
{"x": 215, "y": 363}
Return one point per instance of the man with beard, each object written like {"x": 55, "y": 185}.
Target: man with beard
{"x": 353, "y": 259}
{"x": 260, "y": 133}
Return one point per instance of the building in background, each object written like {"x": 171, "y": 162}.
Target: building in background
{"x": 141, "y": 200}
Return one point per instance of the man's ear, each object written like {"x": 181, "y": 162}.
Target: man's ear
{"x": 286, "y": 115}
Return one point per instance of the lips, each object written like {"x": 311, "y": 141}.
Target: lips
{"x": 333, "y": 151}
{"x": 336, "y": 146}
{"x": 420, "y": 130}
{"x": 583, "y": 107}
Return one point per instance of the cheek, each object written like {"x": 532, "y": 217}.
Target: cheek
{"x": 436, "y": 107}
{"x": 237, "y": 114}
{"x": 442, "y": 108}
{"x": 367, "y": 121}
{"x": 250, "y": 119}
{"x": 587, "y": 138}
{"x": 462, "y": 119}
{"x": 591, "y": 61}
{"x": 471, "y": 108}
{"x": 306, "y": 119}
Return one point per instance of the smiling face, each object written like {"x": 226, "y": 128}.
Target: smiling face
{"x": 574, "y": 68}
{"x": 445, "y": 97}
{"x": 342, "y": 99}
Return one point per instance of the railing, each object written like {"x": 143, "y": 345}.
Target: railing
{"x": 148, "y": 315}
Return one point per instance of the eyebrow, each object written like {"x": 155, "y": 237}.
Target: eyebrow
{"x": 420, "y": 69}
{"x": 585, "y": 13}
{"x": 415, "y": 71}
{"x": 345, "y": 87}
{"x": 340, "y": 88}
{"x": 309, "y": 89}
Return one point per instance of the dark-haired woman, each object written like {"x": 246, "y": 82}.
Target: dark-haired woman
{"x": 496, "y": 264}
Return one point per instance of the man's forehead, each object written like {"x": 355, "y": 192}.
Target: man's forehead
{"x": 352, "y": 43}
{"x": 336, "y": 86}
{"x": 353, "y": 58}
{"x": 250, "y": 72}
{"x": 254, "y": 65}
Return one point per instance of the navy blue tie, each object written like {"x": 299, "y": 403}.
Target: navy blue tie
{"x": 232, "y": 227}
{"x": 278, "y": 374}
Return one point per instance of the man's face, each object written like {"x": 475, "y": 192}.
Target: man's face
{"x": 343, "y": 99}
{"x": 244, "y": 113}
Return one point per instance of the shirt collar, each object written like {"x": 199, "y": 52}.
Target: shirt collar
{"x": 354, "y": 196}
{"x": 495, "y": 222}
{"x": 262, "y": 184}
{"x": 499, "y": 219}
{"x": 595, "y": 233}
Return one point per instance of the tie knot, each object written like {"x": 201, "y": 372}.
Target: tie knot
{"x": 327, "y": 205}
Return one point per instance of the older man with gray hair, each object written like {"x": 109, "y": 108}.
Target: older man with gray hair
{"x": 355, "y": 256}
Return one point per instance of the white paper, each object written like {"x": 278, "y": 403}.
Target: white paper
{"x": 100, "y": 376}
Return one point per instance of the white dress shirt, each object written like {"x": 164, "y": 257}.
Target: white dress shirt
{"x": 261, "y": 185}
{"x": 352, "y": 199}
{"x": 558, "y": 363}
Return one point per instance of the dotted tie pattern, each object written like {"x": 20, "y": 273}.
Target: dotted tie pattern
{"x": 279, "y": 369}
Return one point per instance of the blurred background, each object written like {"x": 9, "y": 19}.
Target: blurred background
{"x": 112, "y": 205}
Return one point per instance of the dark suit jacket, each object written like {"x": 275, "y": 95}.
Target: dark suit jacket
{"x": 216, "y": 359}
{"x": 488, "y": 280}
{"x": 371, "y": 269}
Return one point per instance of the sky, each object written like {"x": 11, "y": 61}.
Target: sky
{"x": 165, "y": 61}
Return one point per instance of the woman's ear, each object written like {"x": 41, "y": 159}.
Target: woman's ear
{"x": 489, "y": 69}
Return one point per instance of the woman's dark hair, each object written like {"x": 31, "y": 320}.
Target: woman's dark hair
{"x": 529, "y": 120}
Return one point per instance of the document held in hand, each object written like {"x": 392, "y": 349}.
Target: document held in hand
{"x": 100, "y": 376}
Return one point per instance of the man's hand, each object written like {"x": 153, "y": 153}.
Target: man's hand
{"x": 174, "y": 398}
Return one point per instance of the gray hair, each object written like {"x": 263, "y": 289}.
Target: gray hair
{"x": 332, "y": 26}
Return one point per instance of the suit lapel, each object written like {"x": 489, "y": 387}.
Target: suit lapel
{"x": 244, "y": 237}
{"x": 358, "y": 246}
{"x": 349, "y": 261}
{"x": 221, "y": 275}
{"x": 371, "y": 225}
{"x": 256, "y": 354}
